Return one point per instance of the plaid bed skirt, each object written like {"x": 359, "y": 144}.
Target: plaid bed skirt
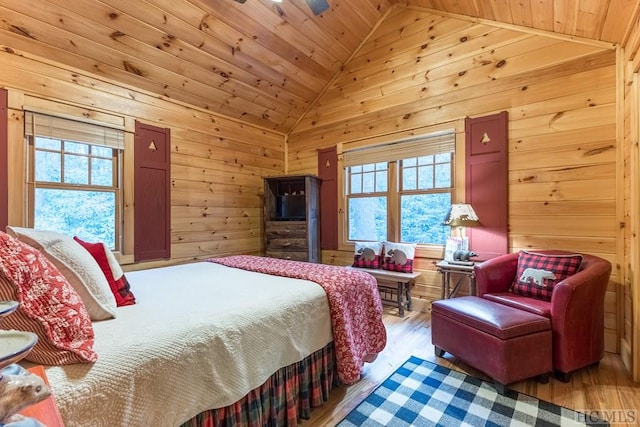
{"x": 286, "y": 397}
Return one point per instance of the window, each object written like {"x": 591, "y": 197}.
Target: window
{"x": 74, "y": 178}
{"x": 400, "y": 191}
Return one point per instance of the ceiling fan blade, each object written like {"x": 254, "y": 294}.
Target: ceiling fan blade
{"x": 241, "y": 1}
{"x": 318, "y": 6}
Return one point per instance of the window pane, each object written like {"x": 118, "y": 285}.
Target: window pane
{"x": 356, "y": 184}
{"x": 102, "y": 172}
{"x": 101, "y": 151}
{"x": 47, "y": 166}
{"x": 426, "y": 177}
{"x": 50, "y": 144}
{"x": 381, "y": 181}
{"x": 356, "y": 169}
{"x": 409, "y": 162}
{"x": 77, "y": 148}
{"x": 368, "y": 218}
{"x": 443, "y": 175}
{"x": 368, "y": 168}
{"x": 425, "y": 160}
{"x": 409, "y": 179}
{"x": 90, "y": 215}
{"x": 422, "y": 217}
{"x": 368, "y": 182}
{"x": 442, "y": 158}
{"x": 76, "y": 169}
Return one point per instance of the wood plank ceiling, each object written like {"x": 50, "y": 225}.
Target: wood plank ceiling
{"x": 260, "y": 62}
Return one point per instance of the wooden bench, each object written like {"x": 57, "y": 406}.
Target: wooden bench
{"x": 397, "y": 285}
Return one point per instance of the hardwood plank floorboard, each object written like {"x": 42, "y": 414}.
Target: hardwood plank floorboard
{"x": 606, "y": 387}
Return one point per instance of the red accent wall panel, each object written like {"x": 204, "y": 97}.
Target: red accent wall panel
{"x": 4, "y": 161}
{"x": 486, "y": 154}
{"x": 328, "y": 172}
{"x": 152, "y": 192}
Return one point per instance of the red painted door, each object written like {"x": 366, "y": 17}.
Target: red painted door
{"x": 486, "y": 183}
{"x": 152, "y": 193}
{"x": 328, "y": 172}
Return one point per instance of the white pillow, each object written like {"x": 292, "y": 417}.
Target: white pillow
{"x": 76, "y": 265}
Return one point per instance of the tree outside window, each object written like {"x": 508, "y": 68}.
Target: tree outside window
{"x": 403, "y": 199}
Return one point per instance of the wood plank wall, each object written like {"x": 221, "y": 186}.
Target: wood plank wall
{"x": 630, "y": 111}
{"x": 420, "y": 70}
{"x": 217, "y": 164}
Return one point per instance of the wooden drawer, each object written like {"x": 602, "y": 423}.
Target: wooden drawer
{"x": 286, "y": 230}
{"x": 287, "y": 244}
{"x": 292, "y": 255}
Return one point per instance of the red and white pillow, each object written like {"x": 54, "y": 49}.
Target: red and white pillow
{"x": 49, "y": 306}
{"x": 111, "y": 270}
{"x": 538, "y": 274}
{"x": 399, "y": 256}
{"x": 367, "y": 255}
{"x": 77, "y": 266}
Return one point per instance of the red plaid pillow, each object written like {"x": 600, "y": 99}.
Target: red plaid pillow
{"x": 537, "y": 274}
{"x": 399, "y": 257}
{"x": 367, "y": 255}
{"x": 112, "y": 272}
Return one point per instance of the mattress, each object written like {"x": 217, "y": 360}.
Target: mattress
{"x": 199, "y": 337}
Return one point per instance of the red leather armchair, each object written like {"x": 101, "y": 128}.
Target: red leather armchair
{"x": 576, "y": 308}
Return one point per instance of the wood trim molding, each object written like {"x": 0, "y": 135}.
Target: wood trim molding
{"x": 634, "y": 256}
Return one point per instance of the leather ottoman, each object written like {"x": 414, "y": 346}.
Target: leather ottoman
{"x": 505, "y": 343}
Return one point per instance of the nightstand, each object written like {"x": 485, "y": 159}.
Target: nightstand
{"x": 464, "y": 273}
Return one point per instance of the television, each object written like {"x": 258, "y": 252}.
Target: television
{"x": 291, "y": 208}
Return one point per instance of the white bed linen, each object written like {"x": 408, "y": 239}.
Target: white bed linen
{"x": 200, "y": 337}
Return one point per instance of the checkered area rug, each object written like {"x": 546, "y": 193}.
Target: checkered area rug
{"x": 421, "y": 393}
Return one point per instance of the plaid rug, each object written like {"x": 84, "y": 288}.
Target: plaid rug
{"x": 421, "y": 393}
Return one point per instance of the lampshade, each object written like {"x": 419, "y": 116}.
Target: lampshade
{"x": 461, "y": 215}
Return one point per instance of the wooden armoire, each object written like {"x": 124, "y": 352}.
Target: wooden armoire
{"x": 292, "y": 217}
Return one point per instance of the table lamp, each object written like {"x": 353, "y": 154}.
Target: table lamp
{"x": 461, "y": 215}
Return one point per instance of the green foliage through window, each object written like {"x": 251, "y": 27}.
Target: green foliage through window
{"x": 424, "y": 187}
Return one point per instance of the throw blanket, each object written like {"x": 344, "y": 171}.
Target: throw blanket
{"x": 356, "y": 311}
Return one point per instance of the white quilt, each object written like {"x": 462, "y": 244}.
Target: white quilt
{"x": 200, "y": 337}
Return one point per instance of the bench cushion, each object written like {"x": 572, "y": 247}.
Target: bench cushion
{"x": 492, "y": 318}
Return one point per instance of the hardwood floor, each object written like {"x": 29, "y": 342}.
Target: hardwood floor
{"x": 606, "y": 387}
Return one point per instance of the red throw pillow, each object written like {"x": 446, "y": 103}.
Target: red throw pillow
{"x": 49, "y": 306}
{"x": 115, "y": 277}
{"x": 538, "y": 274}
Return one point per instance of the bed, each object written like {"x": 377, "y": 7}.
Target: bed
{"x": 214, "y": 344}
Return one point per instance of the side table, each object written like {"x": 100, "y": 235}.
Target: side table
{"x": 465, "y": 272}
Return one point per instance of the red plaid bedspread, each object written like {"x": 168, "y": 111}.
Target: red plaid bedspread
{"x": 356, "y": 311}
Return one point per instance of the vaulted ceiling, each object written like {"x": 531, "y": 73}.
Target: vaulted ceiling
{"x": 261, "y": 62}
